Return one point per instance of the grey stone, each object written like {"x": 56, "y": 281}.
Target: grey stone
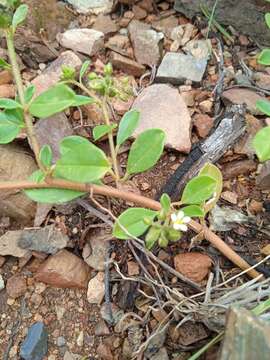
{"x": 92, "y": 6}
{"x": 146, "y": 43}
{"x": 45, "y": 136}
{"x": 161, "y": 355}
{"x": 47, "y": 239}
{"x": 86, "y": 41}
{"x": 94, "y": 253}
{"x": 200, "y": 49}
{"x": 2, "y": 283}
{"x": 9, "y": 244}
{"x": 52, "y": 74}
{"x": 176, "y": 68}
{"x": 155, "y": 344}
{"x": 246, "y": 16}
{"x": 60, "y": 341}
{"x": 161, "y": 106}
{"x": 35, "y": 345}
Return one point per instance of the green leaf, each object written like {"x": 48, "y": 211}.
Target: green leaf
{"x": 46, "y": 155}
{"x": 8, "y": 129}
{"x": 152, "y": 237}
{"x": 127, "y": 125}
{"x": 145, "y": 151}
{"x": 261, "y": 144}
{"x": 198, "y": 190}
{"x": 267, "y": 19}
{"x": 84, "y": 68}
{"x": 101, "y": 130}
{"x": 52, "y": 101}
{"x": 263, "y": 106}
{"x": 29, "y": 93}
{"x": 19, "y": 16}
{"x": 80, "y": 100}
{"x": 193, "y": 211}
{"x": 133, "y": 221}
{"x": 15, "y": 116}
{"x": 81, "y": 160}
{"x": 50, "y": 196}
{"x": 214, "y": 172}
{"x": 5, "y": 19}
{"x": 264, "y": 57}
{"x": 165, "y": 202}
{"x": 9, "y": 104}
{"x": 4, "y": 64}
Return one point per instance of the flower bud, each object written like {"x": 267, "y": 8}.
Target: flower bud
{"x": 152, "y": 236}
{"x": 108, "y": 69}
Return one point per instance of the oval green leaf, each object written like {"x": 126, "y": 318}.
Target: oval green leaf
{"x": 9, "y": 104}
{"x": 165, "y": 202}
{"x": 261, "y": 144}
{"x": 29, "y": 93}
{"x": 198, "y": 190}
{"x": 267, "y": 19}
{"x": 52, "y": 101}
{"x": 193, "y": 211}
{"x": 8, "y": 130}
{"x": 46, "y": 155}
{"x": 145, "y": 151}
{"x": 263, "y": 106}
{"x": 50, "y": 196}
{"x": 19, "y": 16}
{"x": 84, "y": 68}
{"x": 132, "y": 220}
{"x": 100, "y": 130}
{"x": 264, "y": 57}
{"x": 81, "y": 160}
{"x": 127, "y": 125}
{"x": 80, "y": 100}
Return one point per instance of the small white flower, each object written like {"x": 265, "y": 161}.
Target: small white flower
{"x": 179, "y": 221}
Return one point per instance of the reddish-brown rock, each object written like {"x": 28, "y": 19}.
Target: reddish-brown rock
{"x": 203, "y": 124}
{"x": 194, "y": 266}
{"x": 239, "y": 167}
{"x": 7, "y": 91}
{"x": 5, "y": 77}
{"x": 127, "y": 65}
{"x": 242, "y": 96}
{"x": 64, "y": 270}
{"x": 16, "y": 286}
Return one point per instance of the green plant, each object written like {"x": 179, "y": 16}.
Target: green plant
{"x": 82, "y": 162}
{"x": 261, "y": 141}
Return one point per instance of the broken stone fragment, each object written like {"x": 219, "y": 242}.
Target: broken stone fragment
{"x": 194, "y": 266}
{"x": 64, "y": 270}
{"x": 52, "y": 74}
{"x": 242, "y": 96}
{"x": 161, "y": 106}
{"x": 263, "y": 179}
{"x": 85, "y": 41}
{"x": 16, "y": 286}
{"x": 35, "y": 345}
{"x": 176, "y": 68}
{"x": 96, "y": 289}
{"x": 92, "y": 6}
{"x": 127, "y": 65}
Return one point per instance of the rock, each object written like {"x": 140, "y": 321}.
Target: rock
{"x": 61, "y": 128}
{"x": 158, "y": 102}
{"x": 61, "y": 341}
{"x": 139, "y": 13}
{"x": 200, "y": 49}
{"x": 242, "y": 96}
{"x": 60, "y": 312}
{"x": 48, "y": 239}
{"x": 80, "y": 339}
{"x": 176, "y": 68}
{"x": 64, "y": 270}
{"x": 95, "y": 250}
{"x": 5, "y": 77}
{"x": 7, "y": 91}
{"x": 9, "y": 244}
{"x": 238, "y": 167}
{"x": 52, "y": 74}
{"x": 2, "y": 283}
{"x": 255, "y": 207}
{"x": 127, "y": 65}
{"x": 35, "y": 346}
{"x": 133, "y": 268}
{"x": 225, "y": 219}
{"x": 96, "y": 289}
{"x": 70, "y": 356}
{"x": 203, "y": 124}
{"x": 155, "y": 343}
{"x": 146, "y": 43}
{"x": 263, "y": 179}
{"x": 194, "y": 266}
{"x": 16, "y": 286}
{"x": 105, "y": 25}
{"x": 92, "y": 7}
{"x": 101, "y": 329}
{"x": 16, "y": 164}
{"x": 161, "y": 355}
{"x": 86, "y": 41}
{"x": 2, "y": 261}
{"x": 234, "y": 13}
{"x": 262, "y": 80}
{"x": 229, "y": 196}
{"x": 104, "y": 352}
{"x": 165, "y": 25}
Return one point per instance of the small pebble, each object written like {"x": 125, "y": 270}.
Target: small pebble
{"x": 61, "y": 341}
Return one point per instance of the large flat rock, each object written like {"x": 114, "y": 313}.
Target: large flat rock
{"x": 161, "y": 106}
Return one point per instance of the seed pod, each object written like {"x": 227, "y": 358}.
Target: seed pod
{"x": 152, "y": 236}
{"x": 163, "y": 241}
{"x": 173, "y": 235}
{"x": 92, "y": 76}
{"x": 108, "y": 69}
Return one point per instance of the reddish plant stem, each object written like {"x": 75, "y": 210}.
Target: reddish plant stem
{"x": 143, "y": 201}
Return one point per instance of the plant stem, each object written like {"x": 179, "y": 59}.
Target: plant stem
{"x": 111, "y": 142}
{"x": 18, "y": 80}
{"x": 143, "y": 201}
{"x": 84, "y": 89}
